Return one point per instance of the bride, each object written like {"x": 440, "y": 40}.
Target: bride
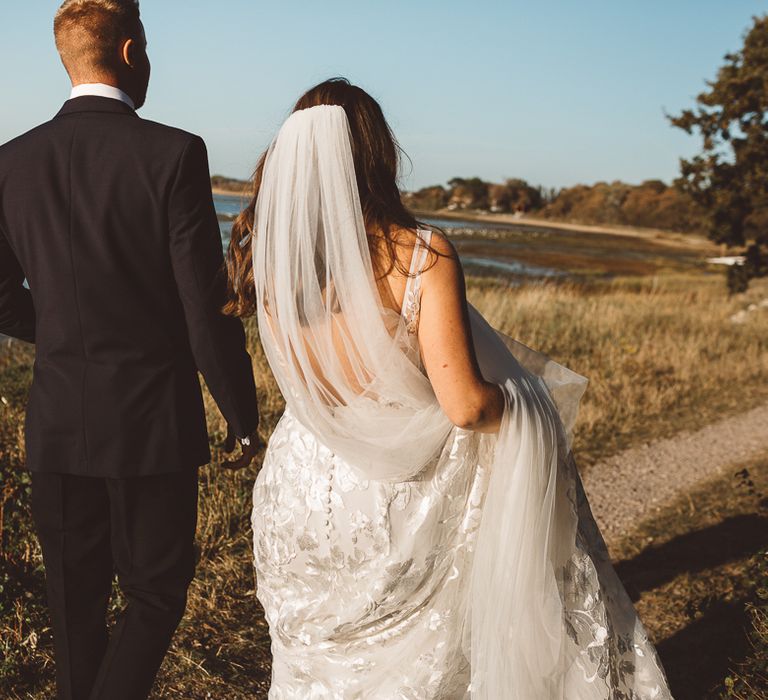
{"x": 419, "y": 526}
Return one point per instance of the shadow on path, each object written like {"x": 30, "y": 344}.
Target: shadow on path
{"x": 700, "y": 655}
{"x": 732, "y": 539}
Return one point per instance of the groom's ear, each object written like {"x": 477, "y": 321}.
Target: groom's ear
{"x": 129, "y": 53}
{"x": 133, "y": 53}
{"x": 134, "y": 49}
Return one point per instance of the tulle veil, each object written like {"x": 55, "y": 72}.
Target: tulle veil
{"x": 546, "y": 616}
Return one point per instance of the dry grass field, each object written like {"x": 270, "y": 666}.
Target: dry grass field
{"x": 662, "y": 354}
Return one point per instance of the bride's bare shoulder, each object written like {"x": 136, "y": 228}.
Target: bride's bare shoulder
{"x": 441, "y": 246}
{"x": 395, "y": 251}
{"x": 442, "y": 265}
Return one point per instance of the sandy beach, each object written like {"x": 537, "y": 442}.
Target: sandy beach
{"x": 675, "y": 238}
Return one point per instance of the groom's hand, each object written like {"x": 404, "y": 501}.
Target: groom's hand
{"x": 250, "y": 446}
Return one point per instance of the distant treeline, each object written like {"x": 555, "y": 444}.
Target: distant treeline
{"x": 229, "y": 184}
{"x": 653, "y": 204}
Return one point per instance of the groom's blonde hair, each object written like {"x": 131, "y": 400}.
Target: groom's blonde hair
{"x": 89, "y": 33}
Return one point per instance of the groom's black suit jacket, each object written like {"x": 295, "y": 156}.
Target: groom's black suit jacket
{"x": 110, "y": 218}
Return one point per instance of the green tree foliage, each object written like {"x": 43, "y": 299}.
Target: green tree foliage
{"x": 729, "y": 179}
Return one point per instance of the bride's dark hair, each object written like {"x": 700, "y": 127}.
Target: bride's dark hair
{"x": 376, "y": 155}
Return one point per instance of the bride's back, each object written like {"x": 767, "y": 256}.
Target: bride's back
{"x": 392, "y": 258}
{"x": 338, "y": 224}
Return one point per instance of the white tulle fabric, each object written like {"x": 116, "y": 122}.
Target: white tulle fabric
{"x": 398, "y": 556}
{"x": 339, "y": 367}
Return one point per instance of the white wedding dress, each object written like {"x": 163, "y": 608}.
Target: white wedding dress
{"x": 480, "y": 573}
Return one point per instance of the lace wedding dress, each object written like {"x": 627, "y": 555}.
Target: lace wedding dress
{"x": 479, "y": 572}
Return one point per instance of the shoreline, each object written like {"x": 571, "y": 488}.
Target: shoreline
{"x": 692, "y": 240}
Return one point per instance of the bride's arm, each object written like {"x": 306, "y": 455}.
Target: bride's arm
{"x": 445, "y": 338}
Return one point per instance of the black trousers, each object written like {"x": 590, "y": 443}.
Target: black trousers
{"x": 90, "y": 528}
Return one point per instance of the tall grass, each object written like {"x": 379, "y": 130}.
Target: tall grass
{"x": 661, "y": 354}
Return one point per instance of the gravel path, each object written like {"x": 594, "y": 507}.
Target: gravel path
{"x": 631, "y": 486}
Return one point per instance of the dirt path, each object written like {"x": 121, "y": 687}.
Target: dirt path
{"x": 633, "y": 485}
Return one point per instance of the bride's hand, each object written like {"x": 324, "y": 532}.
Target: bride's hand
{"x": 249, "y": 445}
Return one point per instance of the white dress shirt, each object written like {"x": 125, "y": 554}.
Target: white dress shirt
{"x": 101, "y": 90}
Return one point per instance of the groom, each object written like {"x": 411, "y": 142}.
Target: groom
{"x": 111, "y": 221}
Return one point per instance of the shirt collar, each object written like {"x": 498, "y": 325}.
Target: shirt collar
{"x": 101, "y": 90}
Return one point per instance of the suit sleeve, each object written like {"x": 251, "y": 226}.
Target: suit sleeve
{"x": 217, "y": 341}
{"x": 17, "y": 312}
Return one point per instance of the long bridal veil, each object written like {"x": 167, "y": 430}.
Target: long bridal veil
{"x": 337, "y": 363}
{"x": 546, "y": 616}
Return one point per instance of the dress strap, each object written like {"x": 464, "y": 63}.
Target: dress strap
{"x": 412, "y": 298}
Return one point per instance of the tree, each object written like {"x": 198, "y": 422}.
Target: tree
{"x": 473, "y": 190}
{"x": 522, "y": 197}
{"x": 427, "y": 198}
{"x": 729, "y": 179}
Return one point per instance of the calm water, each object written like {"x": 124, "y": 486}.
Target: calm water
{"x": 513, "y": 270}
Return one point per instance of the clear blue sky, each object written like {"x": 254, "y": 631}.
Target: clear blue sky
{"x": 556, "y": 92}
